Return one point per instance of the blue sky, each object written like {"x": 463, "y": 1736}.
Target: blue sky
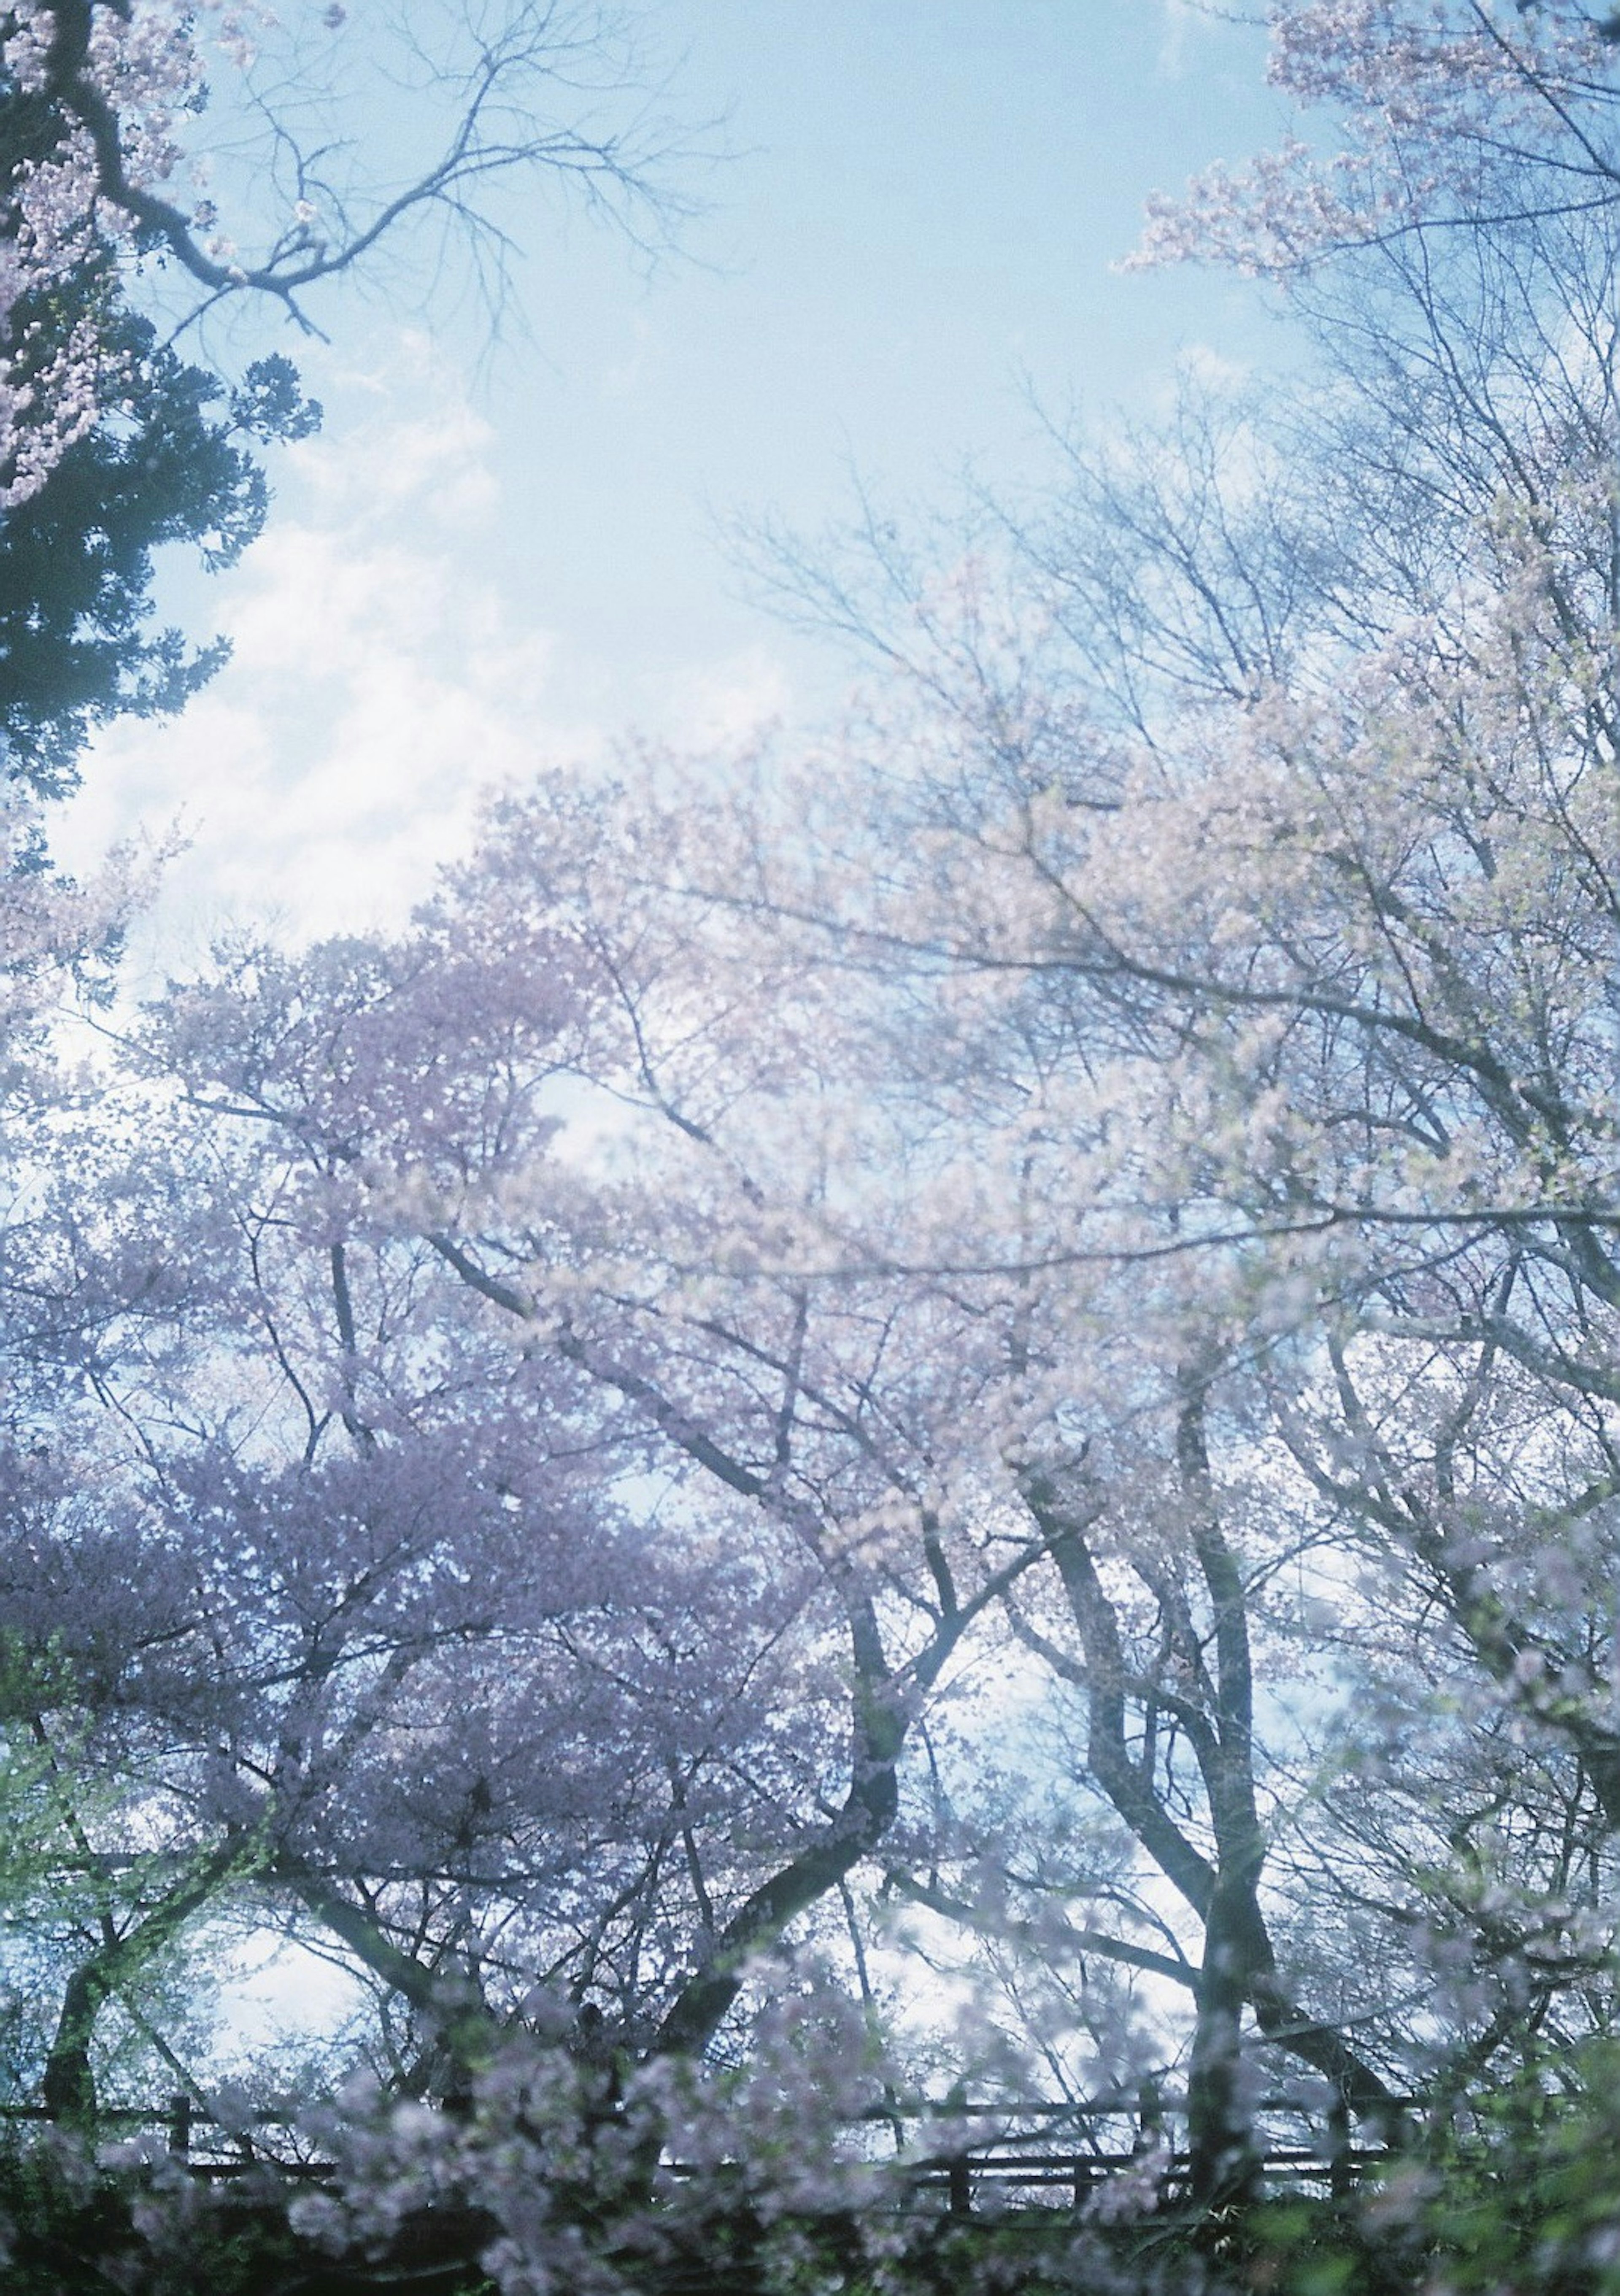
{"x": 494, "y": 559}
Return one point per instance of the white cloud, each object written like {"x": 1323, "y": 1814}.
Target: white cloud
{"x": 722, "y": 705}
{"x": 377, "y": 684}
{"x": 381, "y": 681}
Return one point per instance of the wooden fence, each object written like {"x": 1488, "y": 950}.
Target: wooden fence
{"x": 1011, "y": 2154}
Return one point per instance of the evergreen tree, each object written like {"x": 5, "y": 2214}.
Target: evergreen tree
{"x": 169, "y": 459}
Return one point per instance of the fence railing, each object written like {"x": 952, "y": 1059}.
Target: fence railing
{"x": 1011, "y": 2152}
{"x": 1014, "y": 2153}
{"x": 213, "y": 2145}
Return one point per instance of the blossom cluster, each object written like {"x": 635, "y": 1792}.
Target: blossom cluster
{"x": 111, "y": 87}
{"x": 56, "y": 217}
{"x": 1438, "y": 112}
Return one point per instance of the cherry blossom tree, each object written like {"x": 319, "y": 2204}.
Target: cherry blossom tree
{"x": 1450, "y": 122}
{"x": 745, "y": 1399}
{"x": 101, "y": 162}
{"x": 348, "y": 1606}
{"x": 840, "y": 1305}
{"x": 1232, "y": 841}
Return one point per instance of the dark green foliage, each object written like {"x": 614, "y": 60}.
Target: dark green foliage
{"x": 1529, "y": 2197}
{"x": 168, "y": 460}
{"x": 1521, "y": 2193}
{"x": 74, "y": 2229}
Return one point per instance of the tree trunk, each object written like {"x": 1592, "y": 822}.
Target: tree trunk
{"x": 1224, "y": 2162}
{"x": 68, "y": 2088}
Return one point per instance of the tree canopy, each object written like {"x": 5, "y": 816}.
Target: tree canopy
{"x": 991, "y": 1347}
